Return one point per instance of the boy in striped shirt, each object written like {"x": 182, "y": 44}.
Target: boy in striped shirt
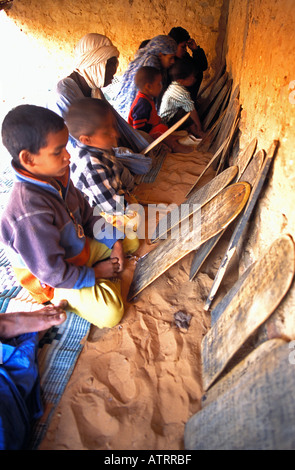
{"x": 177, "y": 102}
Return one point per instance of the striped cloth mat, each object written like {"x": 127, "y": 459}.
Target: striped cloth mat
{"x": 59, "y": 348}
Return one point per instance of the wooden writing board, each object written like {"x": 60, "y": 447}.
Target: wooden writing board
{"x": 257, "y": 413}
{"x": 225, "y": 101}
{"x": 245, "y": 156}
{"x": 206, "y": 142}
{"x": 159, "y": 154}
{"x": 166, "y": 134}
{"x": 229, "y": 126}
{"x": 216, "y": 87}
{"x": 202, "y": 254}
{"x": 216, "y": 105}
{"x": 232, "y": 129}
{"x": 215, "y": 216}
{"x": 223, "y": 304}
{"x": 194, "y": 202}
{"x": 249, "y": 175}
{"x": 231, "y": 115}
{"x": 239, "y": 230}
{"x": 213, "y": 160}
{"x": 261, "y": 292}
{"x": 229, "y": 380}
{"x": 252, "y": 172}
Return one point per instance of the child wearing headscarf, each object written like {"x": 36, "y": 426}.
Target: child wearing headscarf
{"x": 159, "y": 53}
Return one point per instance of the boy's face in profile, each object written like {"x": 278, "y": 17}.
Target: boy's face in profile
{"x": 155, "y": 88}
{"x": 106, "y": 136}
{"x": 167, "y": 60}
{"x": 181, "y": 49}
{"x": 52, "y": 160}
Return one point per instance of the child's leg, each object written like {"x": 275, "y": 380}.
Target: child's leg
{"x": 130, "y": 245}
{"x": 101, "y": 304}
{"x": 100, "y": 252}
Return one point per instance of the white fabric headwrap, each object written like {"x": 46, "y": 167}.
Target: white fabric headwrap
{"x": 91, "y": 55}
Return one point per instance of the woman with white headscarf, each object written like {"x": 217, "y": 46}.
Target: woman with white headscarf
{"x": 95, "y": 63}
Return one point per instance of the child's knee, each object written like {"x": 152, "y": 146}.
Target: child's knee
{"x": 109, "y": 308}
{"x": 112, "y": 317}
{"x": 130, "y": 245}
{"x": 101, "y": 305}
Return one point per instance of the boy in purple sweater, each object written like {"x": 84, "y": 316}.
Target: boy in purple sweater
{"x": 57, "y": 247}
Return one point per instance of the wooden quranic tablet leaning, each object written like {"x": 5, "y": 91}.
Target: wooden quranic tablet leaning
{"x": 215, "y": 216}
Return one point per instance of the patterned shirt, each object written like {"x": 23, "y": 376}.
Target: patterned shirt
{"x": 97, "y": 174}
{"x": 175, "y": 97}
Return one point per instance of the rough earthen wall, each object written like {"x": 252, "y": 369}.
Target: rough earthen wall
{"x": 259, "y": 52}
{"x": 39, "y": 37}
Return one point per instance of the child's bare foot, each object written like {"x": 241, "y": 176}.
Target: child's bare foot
{"x": 15, "y": 324}
{"x": 107, "y": 269}
{"x": 118, "y": 252}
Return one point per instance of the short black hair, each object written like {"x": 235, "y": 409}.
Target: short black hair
{"x": 146, "y": 75}
{"x": 179, "y": 34}
{"x": 26, "y": 127}
{"x": 182, "y": 69}
{"x": 86, "y": 115}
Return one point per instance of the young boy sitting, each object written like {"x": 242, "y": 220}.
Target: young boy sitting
{"x": 143, "y": 115}
{"x": 96, "y": 171}
{"x": 177, "y": 102}
{"x": 57, "y": 247}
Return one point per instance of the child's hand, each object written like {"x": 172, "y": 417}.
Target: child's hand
{"x": 191, "y": 43}
{"x": 118, "y": 252}
{"x": 107, "y": 269}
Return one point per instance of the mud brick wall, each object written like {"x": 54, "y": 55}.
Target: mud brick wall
{"x": 50, "y": 29}
{"x": 259, "y": 50}
{"x": 259, "y": 53}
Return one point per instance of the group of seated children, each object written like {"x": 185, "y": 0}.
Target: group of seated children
{"x": 143, "y": 115}
{"x": 175, "y": 103}
{"x": 65, "y": 236}
{"x": 59, "y": 249}
{"x": 60, "y": 246}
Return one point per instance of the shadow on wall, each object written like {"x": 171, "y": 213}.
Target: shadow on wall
{"x": 221, "y": 42}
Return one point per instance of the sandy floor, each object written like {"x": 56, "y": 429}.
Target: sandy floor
{"x": 135, "y": 386}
